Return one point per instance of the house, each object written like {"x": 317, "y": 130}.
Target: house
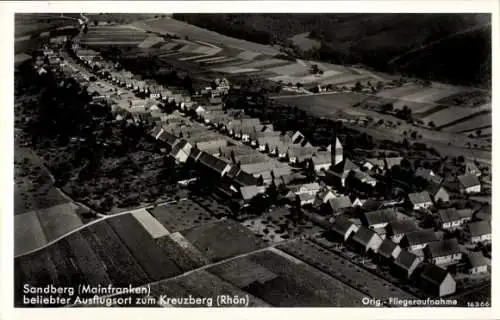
{"x": 181, "y": 150}
{"x": 388, "y": 250}
{"x": 166, "y": 137}
{"x": 365, "y": 178}
{"x": 322, "y": 161}
{"x": 398, "y": 228}
{"x": 249, "y": 192}
{"x": 342, "y": 228}
{"x": 216, "y": 165}
{"x": 341, "y": 170}
{"x": 324, "y": 195}
{"x": 479, "y": 231}
{"x": 338, "y": 204}
{"x": 469, "y": 183}
{"x": 297, "y": 155}
{"x": 378, "y": 218}
{"x": 443, "y": 252}
{"x": 449, "y": 219}
{"x": 211, "y": 145}
{"x": 366, "y": 240}
{"x": 428, "y": 175}
{"x": 465, "y": 215}
{"x": 358, "y": 202}
{"x": 476, "y": 263}
{"x": 472, "y": 169}
{"x": 306, "y": 199}
{"x": 418, "y": 240}
{"x": 374, "y": 164}
{"x": 436, "y": 281}
{"x": 297, "y": 137}
{"x": 405, "y": 263}
{"x": 438, "y": 193}
{"x": 391, "y": 162}
{"x": 309, "y": 188}
{"x": 484, "y": 213}
{"x": 420, "y": 200}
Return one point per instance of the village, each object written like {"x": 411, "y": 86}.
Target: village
{"x": 419, "y": 225}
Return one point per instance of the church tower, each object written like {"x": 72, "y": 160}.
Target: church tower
{"x": 336, "y": 149}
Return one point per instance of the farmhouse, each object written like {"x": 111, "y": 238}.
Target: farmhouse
{"x": 377, "y": 165}
{"x": 342, "y": 228}
{"x": 449, "y": 219}
{"x": 476, "y": 263}
{"x": 340, "y": 171}
{"x": 249, "y": 192}
{"x": 472, "y": 169}
{"x": 379, "y": 218}
{"x": 484, "y": 213}
{"x": 366, "y": 240}
{"x": 420, "y": 200}
{"x": 406, "y": 263}
{"x": 437, "y": 281}
{"x": 469, "y": 184}
{"x": 306, "y": 199}
{"x": 181, "y": 150}
{"x": 465, "y": 215}
{"x": 443, "y": 252}
{"x": 418, "y": 240}
{"x": 428, "y": 175}
{"x": 388, "y": 250}
{"x": 438, "y": 193}
{"x": 212, "y": 146}
{"x": 324, "y": 195}
{"x": 391, "y": 162}
{"x": 309, "y": 188}
{"x": 479, "y": 231}
{"x": 322, "y": 161}
{"x": 297, "y": 155}
{"x": 216, "y": 165}
{"x": 398, "y": 228}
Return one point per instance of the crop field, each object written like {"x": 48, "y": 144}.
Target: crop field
{"x": 343, "y": 270}
{"x": 145, "y": 250}
{"x": 113, "y": 35}
{"x": 467, "y": 98}
{"x": 448, "y": 115}
{"x": 416, "y": 107}
{"x": 346, "y": 78}
{"x": 223, "y": 239}
{"x": 181, "y": 215}
{"x": 58, "y": 220}
{"x": 248, "y": 55}
{"x": 265, "y": 63}
{"x": 182, "y": 252}
{"x": 290, "y": 69}
{"x": 172, "y": 26}
{"x": 480, "y": 121}
{"x": 150, "y": 42}
{"x": 282, "y": 282}
{"x": 432, "y": 94}
{"x": 150, "y": 224}
{"x": 400, "y": 92}
{"x": 28, "y": 233}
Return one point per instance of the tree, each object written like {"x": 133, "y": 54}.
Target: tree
{"x": 358, "y": 86}
{"x": 432, "y": 124}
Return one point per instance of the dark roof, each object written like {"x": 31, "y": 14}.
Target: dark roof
{"x": 476, "y": 259}
{"x": 340, "y": 203}
{"x": 434, "y": 274}
{"x": 465, "y": 213}
{"x": 449, "y": 215}
{"x": 195, "y": 153}
{"x": 212, "y": 162}
{"x": 434, "y": 188}
{"x": 345, "y": 166}
{"x": 167, "y": 137}
{"x": 178, "y": 146}
{"x": 442, "y": 248}
{"x": 428, "y": 175}
{"x": 379, "y": 216}
{"x": 363, "y": 236}
{"x": 468, "y": 180}
{"x": 484, "y": 213}
{"x": 420, "y": 237}
{"x": 341, "y": 225}
{"x": 233, "y": 171}
{"x": 402, "y": 226}
{"x": 419, "y": 197}
{"x": 372, "y": 204}
{"x": 405, "y": 259}
{"x": 479, "y": 228}
{"x": 245, "y": 179}
{"x": 387, "y": 248}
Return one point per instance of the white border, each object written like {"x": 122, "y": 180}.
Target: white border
{"x": 7, "y": 10}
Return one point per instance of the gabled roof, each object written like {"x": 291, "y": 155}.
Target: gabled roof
{"x": 465, "y": 213}
{"x": 322, "y": 157}
{"x": 419, "y": 197}
{"x": 212, "y": 162}
{"x": 479, "y": 228}
{"x": 180, "y": 144}
{"x": 363, "y": 236}
{"x": 313, "y": 186}
{"x": 376, "y": 162}
{"x": 402, "y": 226}
{"x": 245, "y": 179}
{"x": 434, "y": 188}
{"x": 434, "y": 274}
{"x": 341, "y": 225}
{"x": 449, "y": 215}
{"x": 442, "y": 248}
{"x": 345, "y": 166}
{"x": 476, "y": 259}
{"x": 420, "y": 237}
{"x": 387, "y": 248}
{"x": 195, "y": 154}
{"x": 248, "y": 192}
{"x": 427, "y": 174}
{"x": 301, "y": 152}
{"x": 390, "y": 162}
{"x": 468, "y": 180}
{"x": 339, "y": 203}
{"x": 379, "y": 216}
{"x": 406, "y": 259}
{"x": 306, "y": 197}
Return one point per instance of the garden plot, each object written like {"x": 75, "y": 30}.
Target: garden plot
{"x": 416, "y": 107}
{"x": 243, "y": 272}
{"x": 235, "y": 70}
{"x": 448, "y": 115}
{"x": 58, "y": 220}
{"x": 28, "y": 233}
{"x": 181, "y": 215}
{"x": 400, "y": 92}
{"x": 345, "y": 78}
{"x": 182, "y": 252}
{"x": 150, "y": 224}
{"x": 472, "y": 124}
{"x": 431, "y": 94}
{"x": 223, "y": 239}
{"x": 248, "y": 55}
{"x": 290, "y": 69}
{"x": 265, "y": 63}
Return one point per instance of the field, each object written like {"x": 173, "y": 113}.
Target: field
{"x": 113, "y": 35}
{"x": 343, "y": 270}
{"x": 480, "y": 121}
{"x": 150, "y": 224}
{"x": 304, "y": 42}
{"x": 182, "y": 252}
{"x": 449, "y": 115}
{"x": 223, "y": 239}
{"x": 282, "y": 281}
{"x": 28, "y": 233}
{"x": 181, "y": 215}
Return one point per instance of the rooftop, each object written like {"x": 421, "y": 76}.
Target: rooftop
{"x": 419, "y": 197}
{"x": 421, "y": 237}
{"x": 434, "y": 274}
{"x": 379, "y": 216}
{"x": 479, "y": 228}
{"x": 468, "y": 180}
{"x": 442, "y": 248}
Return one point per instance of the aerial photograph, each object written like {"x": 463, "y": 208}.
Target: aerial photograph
{"x": 199, "y": 160}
